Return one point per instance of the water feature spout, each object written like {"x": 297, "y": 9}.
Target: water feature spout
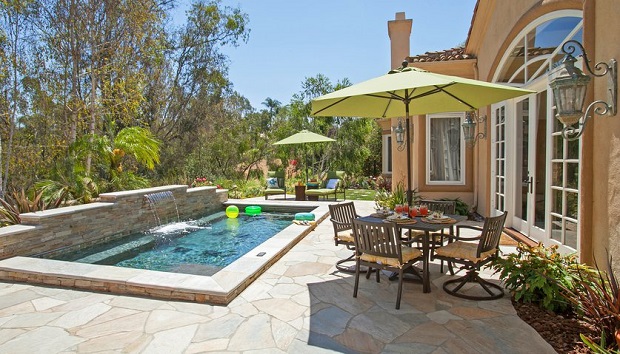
{"x": 159, "y": 200}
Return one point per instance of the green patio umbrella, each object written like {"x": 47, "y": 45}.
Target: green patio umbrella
{"x": 304, "y": 137}
{"x": 406, "y": 91}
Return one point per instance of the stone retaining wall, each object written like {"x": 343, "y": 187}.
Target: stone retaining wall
{"x": 116, "y": 214}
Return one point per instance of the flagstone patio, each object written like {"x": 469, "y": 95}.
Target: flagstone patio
{"x": 300, "y": 305}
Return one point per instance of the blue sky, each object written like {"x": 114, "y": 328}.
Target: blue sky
{"x": 291, "y": 40}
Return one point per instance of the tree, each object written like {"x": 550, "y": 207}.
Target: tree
{"x": 273, "y": 106}
{"x": 353, "y": 135}
{"x": 15, "y": 15}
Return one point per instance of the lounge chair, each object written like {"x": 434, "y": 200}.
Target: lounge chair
{"x": 333, "y": 185}
{"x": 275, "y": 184}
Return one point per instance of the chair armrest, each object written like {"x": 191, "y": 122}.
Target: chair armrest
{"x": 465, "y": 238}
{"x": 341, "y": 224}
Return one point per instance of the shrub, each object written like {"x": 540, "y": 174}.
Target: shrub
{"x": 386, "y": 199}
{"x": 201, "y": 182}
{"x": 383, "y": 199}
{"x": 597, "y": 300}
{"x": 539, "y": 274}
{"x": 461, "y": 208}
{"x": 399, "y": 195}
{"x": 9, "y": 214}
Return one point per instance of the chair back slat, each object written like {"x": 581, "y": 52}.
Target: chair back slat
{"x": 446, "y": 206}
{"x": 491, "y": 233}
{"x": 343, "y": 214}
{"x": 377, "y": 239}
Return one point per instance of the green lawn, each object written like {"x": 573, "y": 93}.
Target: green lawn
{"x": 361, "y": 194}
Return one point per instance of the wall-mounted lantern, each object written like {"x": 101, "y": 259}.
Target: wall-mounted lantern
{"x": 400, "y": 133}
{"x": 569, "y": 86}
{"x": 469, "y": 128}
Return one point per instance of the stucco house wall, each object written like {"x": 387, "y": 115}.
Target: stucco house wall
{"x": 601, "y": 17}
{"x": 495, "y": 25}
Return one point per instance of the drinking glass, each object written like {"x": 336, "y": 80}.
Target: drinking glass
{"x": 405, "y": 210}
{"x": 424, "y": 210}
{"x": 398, "y": 208}
{"x": 413, "y": 212}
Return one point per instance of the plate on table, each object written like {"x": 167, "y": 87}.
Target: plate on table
{"x": 438, "y": 218}
{"x": 381, "y": 214}
{"x": 442, "y": 220}
{"x": 400, "y": 219}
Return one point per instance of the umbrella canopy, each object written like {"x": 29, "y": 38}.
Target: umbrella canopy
{"x": 421, "y": 91}
{"x": 407, "y": 91}
{"x": 304, "y": 137}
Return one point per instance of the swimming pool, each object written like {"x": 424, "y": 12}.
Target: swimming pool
{"x": 219, "y": 288}
{"x": 201, "y": 247}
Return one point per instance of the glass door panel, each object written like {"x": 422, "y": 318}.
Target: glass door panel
{"x": 540, "y": 184}
{"x": 530, "y": 185}
{"x": 523, "y": 180}
{"x": 498, "y": 156}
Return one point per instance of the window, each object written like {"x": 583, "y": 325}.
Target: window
{"x": 564, "y": 188}
{"x": 387, "y": 154}
{"x": 533, "y": 52}
{"x": 445, "y": 149}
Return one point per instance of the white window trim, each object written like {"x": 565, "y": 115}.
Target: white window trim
{"x": 429, "y": 117}
{"x": 385, "y": 168}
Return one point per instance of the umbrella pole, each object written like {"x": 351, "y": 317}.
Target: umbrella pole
{"x": 409, "y": 193}
{"x": 306, "y": 153}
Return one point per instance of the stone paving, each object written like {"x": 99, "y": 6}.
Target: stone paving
{"x": 300, "y": 305}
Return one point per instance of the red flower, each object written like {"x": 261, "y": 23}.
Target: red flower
{"x": 294, "y": 162}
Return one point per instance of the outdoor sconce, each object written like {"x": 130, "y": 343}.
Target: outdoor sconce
{"x": 569, "y": 90}
{"x": 399, "y": 132}
{"x": 469, "y": 128}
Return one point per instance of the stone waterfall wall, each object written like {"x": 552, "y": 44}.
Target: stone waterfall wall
{"x": 115, "y": 215}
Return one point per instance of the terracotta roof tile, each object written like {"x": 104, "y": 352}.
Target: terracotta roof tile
{"x": 442, "y": 55}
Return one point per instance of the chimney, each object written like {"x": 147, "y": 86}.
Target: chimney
{"x": 399, "y": 31}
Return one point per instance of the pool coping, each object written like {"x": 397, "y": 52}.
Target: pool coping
{"x": 218, "y": 289}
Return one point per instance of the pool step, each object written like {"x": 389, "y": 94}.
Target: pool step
{"x": 119, "y": 253}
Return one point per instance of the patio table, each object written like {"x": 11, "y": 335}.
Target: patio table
{"x": 428, "y": 228}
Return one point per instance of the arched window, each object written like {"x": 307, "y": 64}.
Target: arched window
{"x": 533, "y": 52}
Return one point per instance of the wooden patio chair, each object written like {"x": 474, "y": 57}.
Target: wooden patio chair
{"x": 437, "y": 238}
{"x": 378, "y": 245}
{"x": 342, "y": 216}
{"x": 473, "y": 255}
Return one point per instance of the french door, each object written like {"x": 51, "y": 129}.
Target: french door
{"x": 529, "y": 165}
{"x": 534, "y": 171}
{"x": 519, "y": 166}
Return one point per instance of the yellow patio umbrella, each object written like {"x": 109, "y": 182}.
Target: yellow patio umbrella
{"x": 408, "y": 90}
{"x": 304, "y": 137}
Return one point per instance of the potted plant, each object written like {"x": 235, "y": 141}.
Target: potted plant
{"x": 383, "y": 200}
{"x": 399, "y": 196}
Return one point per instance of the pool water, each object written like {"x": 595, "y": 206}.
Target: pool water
{"x": 203, "y": 246}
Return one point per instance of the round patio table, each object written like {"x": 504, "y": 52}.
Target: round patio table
{"x": 428, "y": 228}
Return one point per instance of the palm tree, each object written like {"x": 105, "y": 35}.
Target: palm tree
{"x": 131, "y": 143}
{"x": 132, "y": 146}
